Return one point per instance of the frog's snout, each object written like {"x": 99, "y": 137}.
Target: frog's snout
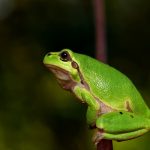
{"x": 46, "y": 58}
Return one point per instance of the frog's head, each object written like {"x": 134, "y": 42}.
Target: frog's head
{"x": 64, "y": 67}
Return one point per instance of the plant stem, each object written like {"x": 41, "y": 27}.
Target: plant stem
{"x": 100, "y": 30}
{"x": 101, "y": 52}
{"x": 105, "y": 145}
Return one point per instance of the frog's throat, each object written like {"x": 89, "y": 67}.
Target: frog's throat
{"x": 63, "y": 77}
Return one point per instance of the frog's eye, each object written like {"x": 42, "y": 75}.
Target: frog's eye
{"x": 64, "y": 56}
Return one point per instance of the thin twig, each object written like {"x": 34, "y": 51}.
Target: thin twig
{"x": 105, "y": 145}
{"x": 101, "y": 52}
{"x": 100, "y": 30}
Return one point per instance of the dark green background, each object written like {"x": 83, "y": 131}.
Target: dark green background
{"x": 35, "y": 113}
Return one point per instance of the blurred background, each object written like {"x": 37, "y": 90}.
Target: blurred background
{"x": 35, "y": 113}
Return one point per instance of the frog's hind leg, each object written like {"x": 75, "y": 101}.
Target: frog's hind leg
{"x": 120, "y": 126}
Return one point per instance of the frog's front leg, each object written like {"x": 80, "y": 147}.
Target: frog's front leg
{"x": 120, "y": 126}
{"x": 93, "y": 105}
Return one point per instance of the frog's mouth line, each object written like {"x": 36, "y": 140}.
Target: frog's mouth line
{"x": 63, "y": 77}
{"x": 53, "y": 67}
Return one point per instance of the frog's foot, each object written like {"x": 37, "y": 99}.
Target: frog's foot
{"x": 98, "y": 136}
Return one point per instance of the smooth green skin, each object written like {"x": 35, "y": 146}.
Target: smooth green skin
{"x": 115, "y": 107}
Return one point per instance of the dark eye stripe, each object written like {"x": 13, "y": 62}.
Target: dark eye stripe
{"x": 74, "y": 64}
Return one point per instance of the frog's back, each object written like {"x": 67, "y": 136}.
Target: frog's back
{"x": 111, "y": 86}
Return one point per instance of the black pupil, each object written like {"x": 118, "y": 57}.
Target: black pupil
{"x": 64, "y": 55}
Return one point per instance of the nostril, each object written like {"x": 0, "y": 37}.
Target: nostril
{"x": 48, "y": 54}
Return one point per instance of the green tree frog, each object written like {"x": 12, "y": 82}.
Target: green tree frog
{"x": 116, "y": 110}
